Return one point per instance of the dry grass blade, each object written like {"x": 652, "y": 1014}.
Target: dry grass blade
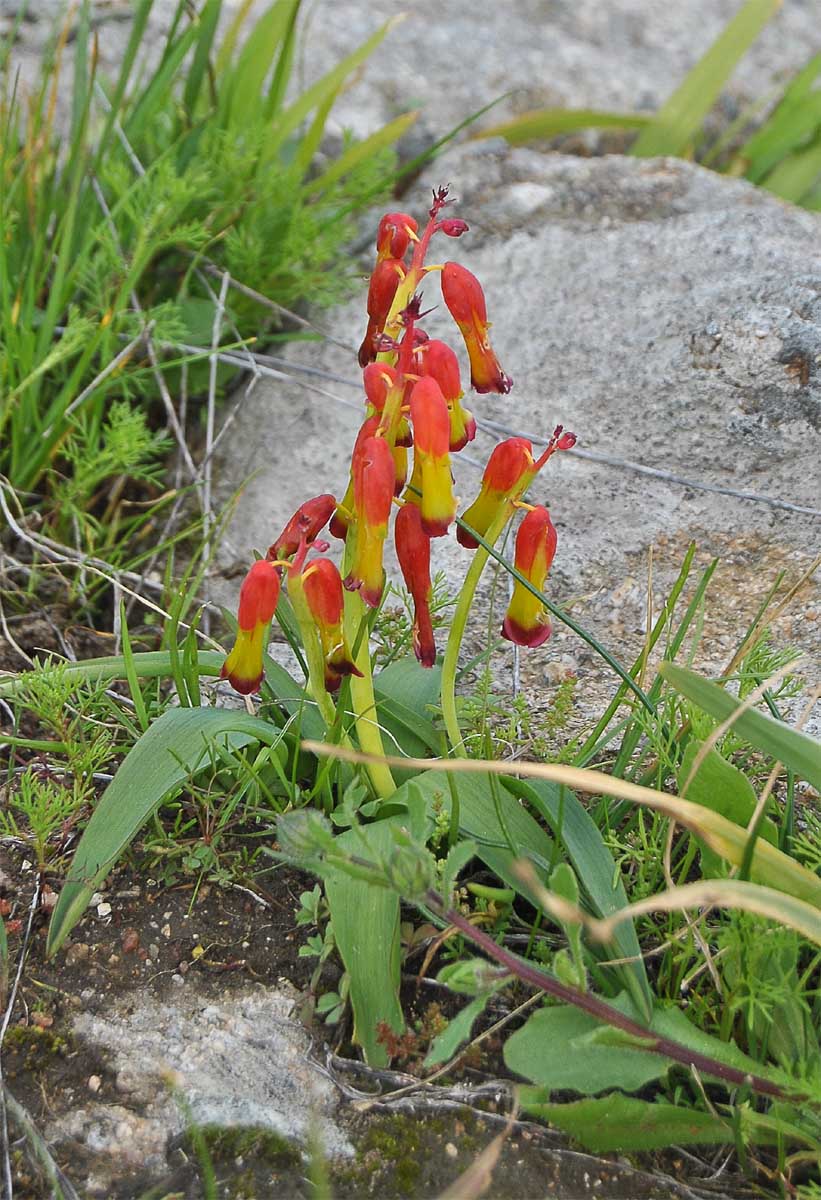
{"x": 770, "y": 866}
{"x": 476, "y": 1180}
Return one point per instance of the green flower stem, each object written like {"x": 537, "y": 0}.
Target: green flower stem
{"x": 363, "y": 700}
{"x": 457, "y": 630}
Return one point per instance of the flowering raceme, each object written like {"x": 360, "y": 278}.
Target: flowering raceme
{"x": 412, "y": 410}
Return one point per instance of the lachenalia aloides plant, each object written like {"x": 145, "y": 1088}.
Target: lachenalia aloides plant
{"x": 413, "y": 411}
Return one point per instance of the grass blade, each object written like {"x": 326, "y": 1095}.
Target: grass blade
{"x": 550, "y": 122}
{"x": 680, "y": 118}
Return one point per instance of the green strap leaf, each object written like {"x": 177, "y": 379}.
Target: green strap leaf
{"x": 163, "y": 758}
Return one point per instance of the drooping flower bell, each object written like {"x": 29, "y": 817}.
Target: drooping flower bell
{"x": 465, "y": 299}
{"x": 386, "y": 277}
{"x": 373, "y": 481}
{"x": 258, "y": 599}
{"x": 395, "y": 231}
{"x": 308, "y": 520}
{"x": 322, "y": 587}
{"x": 413, "y": 552}
{"x": 506, "y": 476}
{"x": 527, "y": 621}
{"x": 439, "y": 361}
{"x": 431, "y": 463}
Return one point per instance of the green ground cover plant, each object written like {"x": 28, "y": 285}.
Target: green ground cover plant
{"x": 650, "y": 900}
{"x": 150, "y": 222}
{"x": 780, "y": 151}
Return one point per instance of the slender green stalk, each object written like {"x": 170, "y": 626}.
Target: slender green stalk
{"x": 363, "y": 700}
{"x": 457, "y": 630}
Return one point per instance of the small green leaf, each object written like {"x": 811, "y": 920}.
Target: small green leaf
{"x": 446, "y": 1043}
{"x": 550, "y": 122}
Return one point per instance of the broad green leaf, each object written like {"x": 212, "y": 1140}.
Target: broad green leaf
{"x": 680, "y": 118}
{"x": 165, "y": 756}
{"x": 719, "y": 786}
{"x": 789, "y": 746}
{"x": 550, "y": 122}
{"x": 572, "y": 824}
{"x": 404, "y": 691}
{"x": 620, "y": 1122}
{"x": 365, "y": 920}
{"x": 596, "y": 1057}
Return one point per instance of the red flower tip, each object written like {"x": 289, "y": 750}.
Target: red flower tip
{"x": 439, "y": 361}
{"x": 465, "y": 299}
{"x": 305, "y": 524}
{"x": 440, "y": 200}
{"x": 394, "y": 234}
{"x": 377, "y": 378}
{"x": 566, "y": 442}
{"x": 454, "y": 227}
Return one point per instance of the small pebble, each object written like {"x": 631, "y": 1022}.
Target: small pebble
{"x": 94, "y": 1083}
{"x": 153, "y": 951}
{"x": 131, "y": 941}
{"x": 178, "y": 979}
{"x": 104, "y": 909}
{"x": 76, "y": 953}
{"x": 166, "y": 931}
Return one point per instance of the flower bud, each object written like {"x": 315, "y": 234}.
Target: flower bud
{"x": 527, "y": 621}
{"x": 304, "y": 833}
{"x": 258, "y": 599}
{"x": 377, "y": 378}
{"x": 410, "y": 870}
{"x": 465, "y": 299}
{"x": 305, "y": 524}
{"x": 454, "y": 227}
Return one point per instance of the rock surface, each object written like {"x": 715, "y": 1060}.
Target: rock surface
{"x": 671, "y": 317}
{"x": 240, "y": 1061}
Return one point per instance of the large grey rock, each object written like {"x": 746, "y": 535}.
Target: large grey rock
{"x": 671, "y": 317}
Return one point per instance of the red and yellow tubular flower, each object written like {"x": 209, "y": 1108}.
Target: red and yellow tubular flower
{"x": 527, "y": 622}
{"x": 373, "y": 480}
{"x": 385, "y": 279}
{"x": 341, "y": 519}
{"x": 322, "y": 586}
{"x": 395, "y": 232}
{"x": 377, "y": 379}
{"x": 413, "y": 552}
{"x": 465, "y": 299}
{"x": 507, "y": 473}
{"x": 258, "y": 599}
{"x": 308, "y": 520}
{"x": 439, "y": 361}
{"x": 431, "y": 441}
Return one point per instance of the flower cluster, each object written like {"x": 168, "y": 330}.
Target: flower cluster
{"x": 414, "y": 416}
